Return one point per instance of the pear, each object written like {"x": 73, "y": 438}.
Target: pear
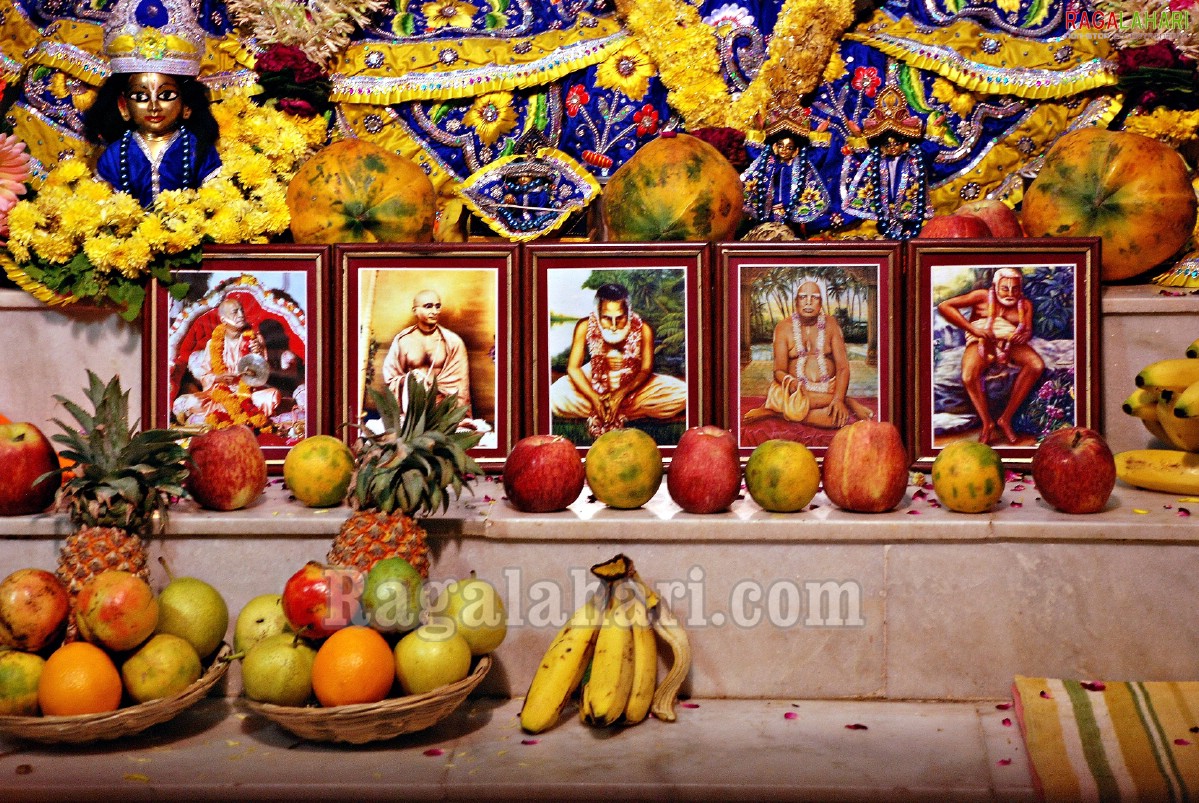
{"x": 163, "y": 666}
{"x": 278, "y": 670}
{"x": 260, "y": 618}
{"x": 193, "y": 610}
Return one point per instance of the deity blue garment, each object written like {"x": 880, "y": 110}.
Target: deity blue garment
{"x": 891, "y": 190}
{"x": 128, "y": 166}
{"x": 784, "y": 190}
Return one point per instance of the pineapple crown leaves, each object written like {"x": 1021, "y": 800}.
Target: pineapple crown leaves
{"x": 121, "y": 478}
{"x": 418, "y": 456}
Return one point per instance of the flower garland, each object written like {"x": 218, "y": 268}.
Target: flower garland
{"x": 78, "y": 238}
{"x": 235, "y": 407}
{"x": 319, "y": 28}
{"x": 685, "y": 50}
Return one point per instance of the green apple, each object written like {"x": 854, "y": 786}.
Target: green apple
{"x": 477, "y": 611}
{"x": 162, "y": 667}
{"x": 278, "y": 670}
{"x": 260, "y": 618}
{"x": 430, "y": 657}
{"x": 193, "y": 610}
{"x": 391, "y": 596}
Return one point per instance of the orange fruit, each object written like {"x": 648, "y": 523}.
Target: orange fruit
{"x": 624, "y": 468}
{"x": 79, "y": 678}
{"x": 318, "y": 470}
{"x": 354, "y": 665}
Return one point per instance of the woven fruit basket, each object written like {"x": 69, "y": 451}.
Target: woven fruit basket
{"x": 371, "y": 722}
{"x": 115, "y": 724}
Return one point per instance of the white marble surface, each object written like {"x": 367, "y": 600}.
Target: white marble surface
{"x": 784, "y": 749}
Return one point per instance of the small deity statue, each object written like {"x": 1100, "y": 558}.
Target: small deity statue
{"x": 781, "y": 184}
{"x": 152, "y": 116}
{"x": 890, "y": 185}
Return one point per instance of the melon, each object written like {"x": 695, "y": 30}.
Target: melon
{"x": 1131, "y": 191}
{"x": 674, "y": 188}
{"x": 356, "y": 192}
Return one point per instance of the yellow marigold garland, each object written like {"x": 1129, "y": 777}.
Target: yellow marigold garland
{"x": 684, "y": 48}
{"x": 1174, "y": 127}
{"x": 78, "y": 238}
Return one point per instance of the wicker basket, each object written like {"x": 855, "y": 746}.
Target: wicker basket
{"x": 115, "y": 724}
{"x": 370, "y": 722}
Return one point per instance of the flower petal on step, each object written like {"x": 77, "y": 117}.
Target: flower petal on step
{"x": 1017, "y": 504}
{"x": 1003, "y": 762}
{"x": 1182, "y": 742}
{"x": 530, "y": 741}
{"x": 1046, "y": 695}
{"x": 1018, "y": 488}
{"x": 913, "y": 512}
{"x": 856, "y": 726}
{"x": 1003, "y": 706}
{"x": 1182, "y": 511}
{"x": 434, "y": 751}
{"x": 1093, "y": 685}
{"x": 1139, "y": 511}
{"x": 689, "y": 705}
{"x": 790, "y": 715}
{"x": 1007, "y": 722}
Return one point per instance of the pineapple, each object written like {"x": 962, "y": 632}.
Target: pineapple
{"x": 120, "y": 481}
{"x": 402, "y": 473}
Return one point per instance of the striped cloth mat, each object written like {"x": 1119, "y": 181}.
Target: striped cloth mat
{"x": 1110, "y": 741}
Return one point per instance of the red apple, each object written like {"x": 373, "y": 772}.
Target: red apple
{"x": 25, "y": 455}
{"x": 1000, "y": 218}
{"x": 319, "y": 600}
{"x": 33, "y": 609}
{"x": 866, "y": 467}
{"x": 543, "y": 473}
{"x": 116, "y": 609}
{"x": 705, "y": 471}
{"x": 957, "y": 225}
{"x": 1074, "y": 470}
{"x": 227, "y": 469}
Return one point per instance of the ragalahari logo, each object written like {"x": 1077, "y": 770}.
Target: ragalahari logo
{"x": 1176, "y": 18}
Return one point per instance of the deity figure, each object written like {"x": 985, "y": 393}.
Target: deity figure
{"x": 151, "y": 117}
{"x": 781, "y": 184}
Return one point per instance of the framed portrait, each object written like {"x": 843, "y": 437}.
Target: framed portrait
{"x": 617, "y": 339}
{"x": 808, "y": 339}
{"x": 1006, "y": 342}
{"x": 240, "y": 339}
{"x": 437, "y": 312}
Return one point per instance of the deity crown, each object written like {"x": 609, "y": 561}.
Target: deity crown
{"x": 891, "y": 112}
{"x": 786, "y": 114}
{"x": 158, "y": 36}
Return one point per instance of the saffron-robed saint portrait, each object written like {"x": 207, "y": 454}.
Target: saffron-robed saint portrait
{"x": 617, "y": 340}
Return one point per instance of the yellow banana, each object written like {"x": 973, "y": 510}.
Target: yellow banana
{"x": 1186, "y": 404}
{"x": 1142, "y": 404}
{"x": 561, "y": 669}
{"x": 1193, "y": 350}
{"x": 1175, "y": 373}
{"x": 1181, "y": 433}
{"x": 606, "y": 692}
{"x": 645, "y": 666}
{"x": 1167, "y": 470}
{"x": 670, "y": 631}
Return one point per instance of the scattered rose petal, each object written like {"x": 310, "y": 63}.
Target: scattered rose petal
{"x": 487, "y": 499}
{"x": 689, "y": 705}
{"x": 933, "y": 503}
{"x": 529, "y": 741}
{"x": 1007, "y": 722}
{"x": 913, "y": 512}
{"x": 1003, "y": 762}
{"x": 919, "y": 494}
{"x": 928, "y": 486}
{"x": 434, "y": 751}
{"x": 24, "y": 769}
{"x": 1017, "y": 504}
{"x": 790, "y": 715}
{"x": 1012, "y": 476}
{"x": 857, "y": 726}
{"x": 1182, "y": 742}
{"x": 1182, "y": 511}
{"x": 1046, "y": 695}
{"x": 1018, "y": 487}
{"x": 1003, "y": 706}
{"x": 1168, "y": 507}
{"x": 1138, "y": 511}
{"x": 1093, "y": 685}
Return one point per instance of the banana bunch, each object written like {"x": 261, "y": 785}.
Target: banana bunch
{"x": 610, "y": 647}
{"x": 1167, "y": 402}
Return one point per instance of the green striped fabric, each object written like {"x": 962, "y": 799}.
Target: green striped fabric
{"x": 1110, "y": 741}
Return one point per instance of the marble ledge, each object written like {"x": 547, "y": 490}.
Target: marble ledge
{"x": 1132, "y": 516}
{"x": 1148, "y": 298}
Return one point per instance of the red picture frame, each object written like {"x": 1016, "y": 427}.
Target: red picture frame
{"x": 283, "y": 291}
{"x": 668, "y": 289}
{"x": 859, "y": 286}
{"x": 1060, "y": 279}
{"x": 377, "y": 286}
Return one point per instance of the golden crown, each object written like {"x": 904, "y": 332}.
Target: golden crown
{"x": 159, "y": 36}
{"x": 786, "y": 114}
{"x": 892, "y": 113}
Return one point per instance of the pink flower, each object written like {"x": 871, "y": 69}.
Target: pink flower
{"x": 297, "y": 107}
{"x": 284, "y": 58}
{"x": 866, "y": 79}
{"x": 576, "y": 99}
{"x": 647, "y": 120}
{"x": 14, "y": 172}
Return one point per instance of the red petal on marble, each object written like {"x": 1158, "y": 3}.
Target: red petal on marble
{"x": 529, "y": 741}
{"x": 1046, "y": 695}
{"x": 1012, "y": 476}
{"x": 1003, "y": 706}
{"x": 1007, "y": 722}
{"x": 1093, "y": 685}
{"x": 689, "y": 705}
{"x": 434, "y": 751}
{"x": 1017, "y": 487}
{"x": 487, "y": 499}
{"x": 1181, "y": 742}
{"x": 1182, "y": 511}
{"x": 919, "y": 494}
{"x": 1003, "y": 762}
{"x": 857, "y": 726}
{"x": 790, "y": 715}
{"x": 1017, "y": 504}
{"x": 913, "y": 512}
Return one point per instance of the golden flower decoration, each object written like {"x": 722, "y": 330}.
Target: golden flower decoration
{"x": 491, "y": 116}
{"x": 835, "y": 67}
{"x": 1010, "y": 6}
{"x": 448, "y": 14}
{"x": 1174, "y": 127}
{"x": 962, "y": 103}
{"x": 628, "y": 70}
